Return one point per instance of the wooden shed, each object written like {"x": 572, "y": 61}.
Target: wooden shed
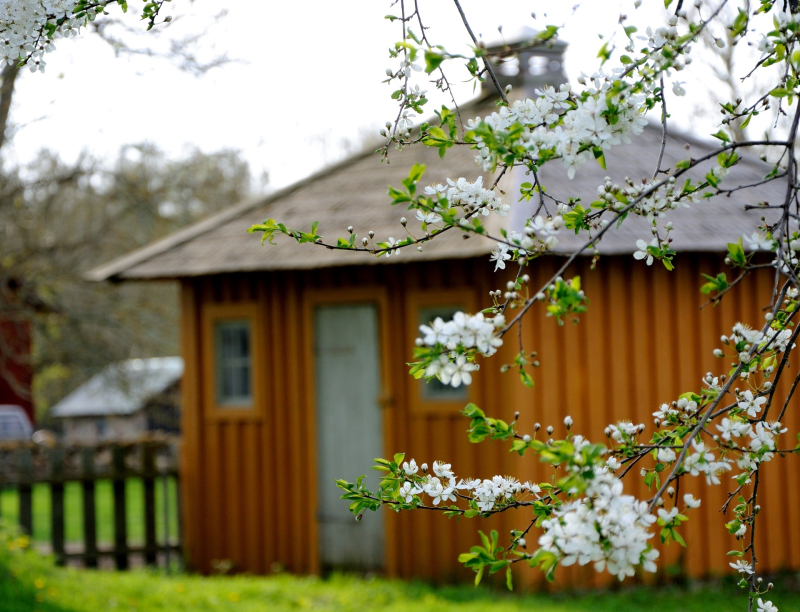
{"x": 295, "y": 365}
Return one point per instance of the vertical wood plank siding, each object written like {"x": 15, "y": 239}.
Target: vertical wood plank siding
{"x": 248, "y": 481}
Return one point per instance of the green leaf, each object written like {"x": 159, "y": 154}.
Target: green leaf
{"x": 604, "y": 54}
{"x": 432, "y": 60}
{"x": 722, "y": 136}
{"x": 736, "y": 253}
{"x": 599, "y": 155}
{"x": 417, "y": 170}
{"x": 780, "y": 92}
{"x": 509, "y": 579}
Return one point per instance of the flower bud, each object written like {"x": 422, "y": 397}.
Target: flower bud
{"x": 568, "y": 422}
{"x": 424, "y": 468}
{"x": 526, "y": 438}
{"x": 718, "y": 353}
{"x": 364, "y": 241}
{"x": 522, "y": 542}
{"x": 350, "y": 229}
{"x": 516, "y": 415}
{"x": 536, "y": 427}
{"x": 549, "y": 430}
{"x": 403, "y": 221}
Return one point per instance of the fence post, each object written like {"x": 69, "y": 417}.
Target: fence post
{"x": 89, "y": 511}
{"x": 26, "y": 491}
{"x": 120, "y": 513}
{"x": 57, "y": 503}
{"x": 149, "y": 486}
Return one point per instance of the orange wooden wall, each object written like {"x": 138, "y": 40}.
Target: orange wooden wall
{"x": 249, "y": 478}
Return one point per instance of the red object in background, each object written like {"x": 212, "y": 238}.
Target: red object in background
{"x": 16, "y": 373}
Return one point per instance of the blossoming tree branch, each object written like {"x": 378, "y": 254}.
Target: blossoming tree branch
{"x": 723, "y": 431}
{"x": 720, "y": 432}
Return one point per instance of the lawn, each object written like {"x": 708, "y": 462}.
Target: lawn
{"x": 31, "y": 583}
{"x": 104, "y": 505}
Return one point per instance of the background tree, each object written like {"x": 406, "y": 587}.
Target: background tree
{"x": 60, "y": 219}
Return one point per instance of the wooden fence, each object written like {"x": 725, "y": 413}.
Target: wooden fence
{"x": 24, "y": 464}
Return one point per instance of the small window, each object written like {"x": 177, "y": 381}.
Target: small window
{"x": 232, "y": 351}
{"x": 433, "y": 390}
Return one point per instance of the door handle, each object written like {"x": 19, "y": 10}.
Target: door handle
{"x": 385, "y": 400}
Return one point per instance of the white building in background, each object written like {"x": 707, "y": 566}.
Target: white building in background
{"x": 124, "y": 402}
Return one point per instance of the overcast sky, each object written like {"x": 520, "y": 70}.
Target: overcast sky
{"x": 304, "y": 90}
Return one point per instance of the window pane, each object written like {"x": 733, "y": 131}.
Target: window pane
{"x": 233, "y": 363}
{"x": 434, "y": 390}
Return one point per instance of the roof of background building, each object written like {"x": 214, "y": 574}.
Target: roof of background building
{"x": 354, "y": 192}
{"x": 122, "y": 388}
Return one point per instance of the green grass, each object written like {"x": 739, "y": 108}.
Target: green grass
{"x": 104, "y": 508}
{"x": 31, "y": 583}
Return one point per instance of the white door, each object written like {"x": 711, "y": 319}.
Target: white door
{"x": 349, "y": 431}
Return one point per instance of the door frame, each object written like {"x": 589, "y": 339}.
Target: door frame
{"x": 376, "y": 295}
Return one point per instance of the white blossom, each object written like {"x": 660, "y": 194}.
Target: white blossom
{"x": 766, "y": 606}
{"x": 666, "y": 455}
{"x": 605, "y": 528}
{"x": 581, "y": 126}
{"x": 759, "y": 242}
{"x": 409, "y": 490}
{"x": 642, "y": 253}
{"x": 741, "y": 566}
{"x": 750, "y": 404}
{"x": 410, "y": 467}
{"x": 691, "y": 501}
{"x": 500, "y": 255}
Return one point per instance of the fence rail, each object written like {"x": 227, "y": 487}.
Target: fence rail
{"x": 25, "y": 464}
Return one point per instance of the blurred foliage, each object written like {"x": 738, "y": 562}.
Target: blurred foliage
{"x": 29, "y": 582}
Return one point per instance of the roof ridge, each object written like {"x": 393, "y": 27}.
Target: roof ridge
{"x": 111, "y": 270}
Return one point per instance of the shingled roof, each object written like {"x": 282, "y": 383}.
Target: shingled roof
{"x": 354, "y": 192}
